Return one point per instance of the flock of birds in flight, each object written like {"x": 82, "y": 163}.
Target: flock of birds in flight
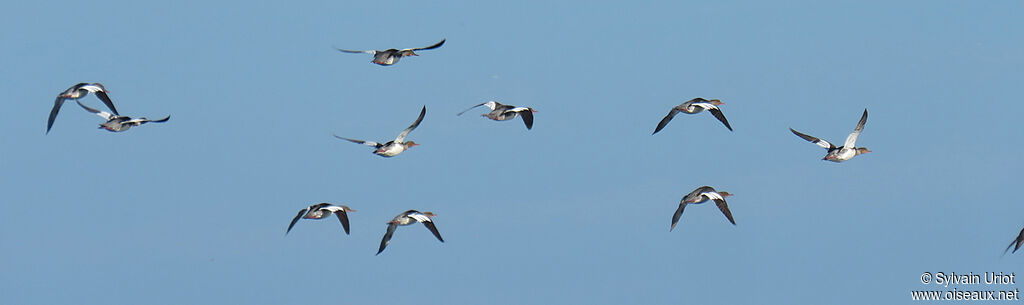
{"x": 115, "y": 122}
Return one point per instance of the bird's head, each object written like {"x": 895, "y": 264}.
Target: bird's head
{"x": 724, "y": 194}
{"x": 410, "y": 144}
{"x": 346, "y": 208}
{"x": 716, "y": 102}
{"x": 862, "y": 150}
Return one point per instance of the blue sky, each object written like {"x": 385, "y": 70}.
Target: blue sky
{"x": 576, "y": 210}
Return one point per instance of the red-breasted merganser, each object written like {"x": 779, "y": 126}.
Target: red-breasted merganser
{"x": 840, "y": 153}
{"x": 501, "y": 112}
{"x": 407, "y": 218}
{"x": 322, "y": 210}
{"x": 700, "y": 195}
{"x": 76, "y": 92}
{"x": 116, "y": 123}
{"x": 391, "y": 56}
{"x": 396, "y": 146}
{"x": 695, "y": 106}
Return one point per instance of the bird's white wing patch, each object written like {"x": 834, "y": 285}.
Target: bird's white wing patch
{"x": 420, "y": 217}
{"x": 705, "y": 105}
{"x": 713, "y": 195}
{"x": 105, "y": 115}
{"x": 92, "y": 88}
{"x": 491, "y": 104}
{"x": 823, "y": 143}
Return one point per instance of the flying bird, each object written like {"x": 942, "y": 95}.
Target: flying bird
{"x": 116, "y": 123}
{"x": 501, "y": 112}
{"x": 394, "y": 147}
{"x": 407, "y": 218}
{"x": 695, "y": 106}
{"x": 322, "y": 210}
{"x": 76, "y": 92}
{"x": 700, "y": 195}
{"x": 840, "y": 153}
{"x": 391, "y": 56}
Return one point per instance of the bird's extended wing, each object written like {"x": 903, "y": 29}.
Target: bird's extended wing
{"x": 435, "y": 46}
{"x": 401, "y": 136}
{"x": 851, "y": 140}
{"x": 720, "y": 202}
{"x": 141, "y": 121}
{"x": 527, "y": 115}
{"x": 664, "y": 121}
{"x": 343, "y": 217}
{"x": 368, "y": 143}
{"x": 471, "y": 108}
{"x": 814, "y": 140}
{"x": 433, "y": 229}
{"x": 103, "y": 114}
{"x": 387, "y": 238}
{"x": 296, "y": 219}
{"x": 102, "y": 95}
{"x": 53, "y": 112}
{"x": 357, "y": 51}
{"x": 677, "y": 215}
{"x": 721, "y": 117}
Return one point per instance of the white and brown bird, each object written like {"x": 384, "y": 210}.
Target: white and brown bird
{"x": 700, "y": 195}
{"x": 76, "y": 92}
{"x": 322, "y": 210}
{"x": 392, "y": 56}
{"x": 117, "y": 123}
{"x": 694, "y": 106}
{"x": 840, "y": 153}
{"x": 407, "y": 218}
{"x": 502, "y": 112}
{"x": 394, "y": 147}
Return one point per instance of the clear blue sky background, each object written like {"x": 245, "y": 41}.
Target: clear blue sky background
{"x": 577, "y": 210}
